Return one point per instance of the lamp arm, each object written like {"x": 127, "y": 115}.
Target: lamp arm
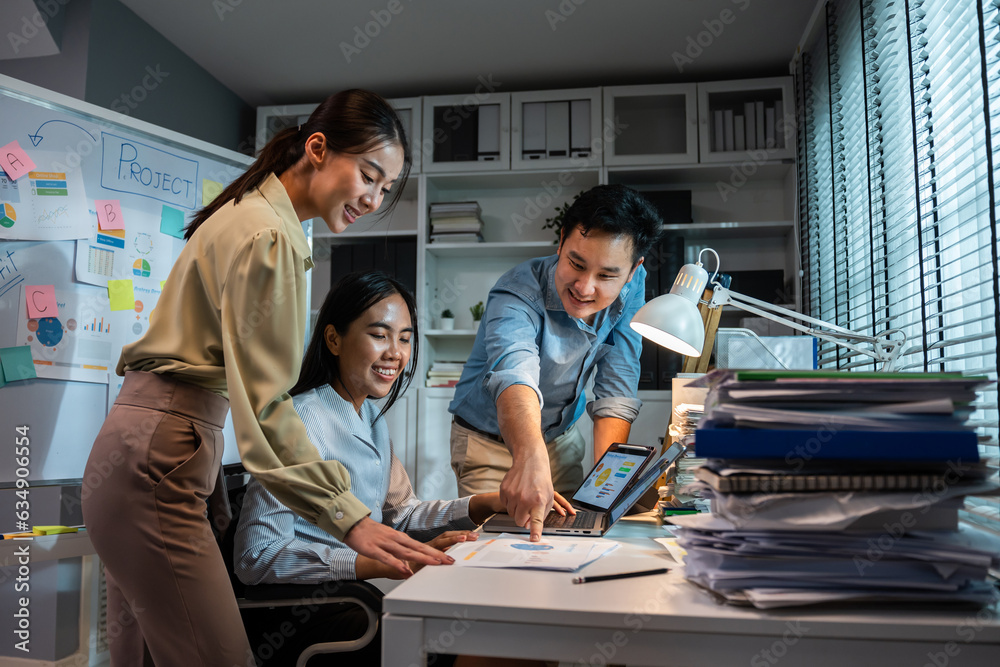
{"x": 882, "y": 349}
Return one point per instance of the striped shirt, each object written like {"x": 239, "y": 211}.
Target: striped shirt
{"x": 273, "y": 545}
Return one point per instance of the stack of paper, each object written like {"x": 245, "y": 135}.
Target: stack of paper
{"x": 445, "y": 373}
{"x": 454, "y": 222}
{"x": 516, "y": 551}
{"x": 686, "y": 417}
{"x": 838, "y": 486}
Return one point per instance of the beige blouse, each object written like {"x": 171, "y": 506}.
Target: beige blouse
{"x": 232, "y": 319}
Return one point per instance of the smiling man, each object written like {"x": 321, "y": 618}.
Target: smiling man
{"x": 550, "y": 324}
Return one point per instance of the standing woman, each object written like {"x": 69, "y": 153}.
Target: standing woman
{"x": 228, "y": 332}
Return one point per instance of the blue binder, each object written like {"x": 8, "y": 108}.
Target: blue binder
{"x": 822, "y": 443}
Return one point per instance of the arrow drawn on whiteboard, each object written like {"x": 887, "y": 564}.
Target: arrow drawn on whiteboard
{"x": 36, "y": 138}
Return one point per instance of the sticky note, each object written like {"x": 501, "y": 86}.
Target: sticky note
{"x": 17, "y": 363}
{"x": 41, "y": 301}
{"x": 52, "y": 530}
{"x": 172, "y": 222}
{"x": 209, "y": 191}
{"x": 122, "y": 294}
{"x": 15, "y": 161}
{"x": 162, "y": 283}
{"x": 3, "y": 380}
{"x": 109, "y": 214}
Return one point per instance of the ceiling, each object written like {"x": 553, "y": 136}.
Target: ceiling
{"x": 302, "y": 50}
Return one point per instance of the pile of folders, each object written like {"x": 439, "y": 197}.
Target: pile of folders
{"x": 838, "y": 487}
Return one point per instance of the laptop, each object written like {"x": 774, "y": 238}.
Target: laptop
{"x": 598, "y": 506}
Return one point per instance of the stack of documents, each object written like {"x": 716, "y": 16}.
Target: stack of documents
{"x": 686, "y": 417}
{"x": 565, "y": 554}
{"x": 838, "y": 487}
{"x": 445, "y": 373}
{"x": 454, "y": 222}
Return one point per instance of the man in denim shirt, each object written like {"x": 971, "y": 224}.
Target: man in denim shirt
{"x": 549, "y": 324}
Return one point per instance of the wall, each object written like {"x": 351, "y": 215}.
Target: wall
{"x": 112, "y": 58}
{"x": 133, "y": 69}
{"x": 65, "y": 72}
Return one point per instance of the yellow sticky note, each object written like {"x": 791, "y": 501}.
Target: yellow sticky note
{"x": 122, "y": 294}
{"x": 209, "y": 191}
{"x": 52, "y": 530}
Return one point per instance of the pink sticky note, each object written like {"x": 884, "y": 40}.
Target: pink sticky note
{"x": 41, "y": 301}
{"x": 15, "y": 161}
{"x": 109, "y": 214}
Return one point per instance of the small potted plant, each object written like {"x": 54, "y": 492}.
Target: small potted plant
{"x": 447, "y": 319}
{"x": 477, "y": 314}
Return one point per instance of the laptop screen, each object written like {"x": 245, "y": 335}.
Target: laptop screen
{"x": 609, "y": 478}
{"x": 674, "y": 452}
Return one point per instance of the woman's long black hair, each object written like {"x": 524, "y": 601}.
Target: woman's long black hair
{"x": 346, "y": 302}
{"x": 353, "y": 122}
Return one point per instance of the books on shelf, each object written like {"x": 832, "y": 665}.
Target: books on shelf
{"x": 445, "y": 373}
{"x": 748, "y": 125}
{"x": 456, "y": 222}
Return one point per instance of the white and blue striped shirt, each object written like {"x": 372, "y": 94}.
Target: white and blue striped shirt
{"x": 274, "y": 545}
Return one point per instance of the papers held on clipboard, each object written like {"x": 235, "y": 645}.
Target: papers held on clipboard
{"x": 516, "y": 551}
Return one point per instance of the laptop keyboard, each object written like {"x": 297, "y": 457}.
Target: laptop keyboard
{"x": 582, "y": 520}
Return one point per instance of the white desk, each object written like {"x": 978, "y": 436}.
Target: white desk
{"x": 658, "y": 620}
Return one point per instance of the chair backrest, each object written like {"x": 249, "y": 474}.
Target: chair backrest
{"x": 236, "y": 478}
{"x": 359, "y": 593}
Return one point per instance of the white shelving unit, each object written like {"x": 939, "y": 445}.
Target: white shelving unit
{"x": 742, "y": 207}
{"x": 467, "y": 132}
{"x": 272, "y": 119}
{"x": 556, "y": 129}
{"x": 655, "y": 124}
{"x": 752, "y": 115}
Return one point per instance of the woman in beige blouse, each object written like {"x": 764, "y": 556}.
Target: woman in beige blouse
{"x": 228, "y": 333}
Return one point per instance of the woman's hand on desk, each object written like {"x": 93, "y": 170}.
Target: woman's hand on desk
{"x": 368, "y": 568}
{"x": 391, "y": 547}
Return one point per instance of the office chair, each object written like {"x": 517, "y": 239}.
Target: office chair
{"x": 304, "y": 596}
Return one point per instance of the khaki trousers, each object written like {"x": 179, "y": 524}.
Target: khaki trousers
{"x": 152, "y": 468}
{"x": 479, "y": 462}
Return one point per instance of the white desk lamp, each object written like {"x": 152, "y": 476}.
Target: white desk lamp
{"x": 673, "y": 320}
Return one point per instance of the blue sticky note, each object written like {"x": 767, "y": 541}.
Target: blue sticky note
{"x": 172, "y": 222}
{"x": 17, "y": 363}
{"x": 3, "y": 381}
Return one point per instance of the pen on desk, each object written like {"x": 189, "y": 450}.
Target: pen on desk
{"x": 622, "y": 575}
{"x": 479, "y": 529}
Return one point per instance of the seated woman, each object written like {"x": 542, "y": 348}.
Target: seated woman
{"x": 365, "y": 340}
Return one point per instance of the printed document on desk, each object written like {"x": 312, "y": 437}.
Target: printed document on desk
{"x": 516, "y": 551}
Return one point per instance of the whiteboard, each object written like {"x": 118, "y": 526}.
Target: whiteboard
{"x": 86, "y": 159}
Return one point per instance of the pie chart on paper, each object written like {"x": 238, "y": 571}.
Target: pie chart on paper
{"x": 141, "y": 268}
{"x": 9, "y": 216}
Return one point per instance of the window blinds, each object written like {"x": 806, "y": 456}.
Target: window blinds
{"x": 899, "y": 109}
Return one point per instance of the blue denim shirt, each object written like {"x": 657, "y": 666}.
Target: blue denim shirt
{"x": 526, "y": 337}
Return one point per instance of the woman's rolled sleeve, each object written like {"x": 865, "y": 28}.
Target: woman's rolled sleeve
{"x": 263, "y": 327}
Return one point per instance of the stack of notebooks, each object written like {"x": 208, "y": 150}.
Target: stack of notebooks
{"x": 838, "y": 487}
{"x": 456, "y": 222}
{"x": 445, "y": 373}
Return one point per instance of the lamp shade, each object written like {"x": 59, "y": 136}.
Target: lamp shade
{"x": 673, "y": 320}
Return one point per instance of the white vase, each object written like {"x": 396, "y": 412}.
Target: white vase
{"x": 475, "y": 325}
{"x": 447, "y": 323}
